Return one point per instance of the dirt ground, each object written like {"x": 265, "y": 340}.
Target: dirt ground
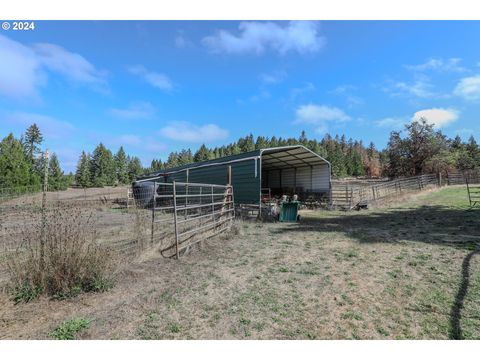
{"x": 411, "y": 271}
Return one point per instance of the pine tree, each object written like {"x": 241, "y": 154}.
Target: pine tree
{"x": 56, "y": 178}
{"x": 102, "y": 167}
{"x": 82, "y": 175}
{"x": 15, "y": 167}
{"x": 202, "y": 154}
{"x": 185, "y": 157}
{"x": 121, "y": 166}
{"x": 156, "y": 165}
{"x": 135, "y": 168}
{"x": 261, "y": 143}
{"x": 246, "y": 144}
{"x": 32, "y": 140}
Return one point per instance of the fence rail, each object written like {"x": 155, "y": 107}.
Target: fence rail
{"x": 349, "y": 196}
{"x": 196, "y": 211}
{"x": 357, "y": 193}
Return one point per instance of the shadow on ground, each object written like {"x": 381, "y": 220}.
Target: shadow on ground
{"x": 444, "y": 226}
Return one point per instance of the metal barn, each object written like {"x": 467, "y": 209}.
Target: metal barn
{"x": 281, "y": 170}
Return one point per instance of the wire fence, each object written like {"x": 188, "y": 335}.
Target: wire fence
{"x": 127, "y": 220}
{"x": 8, "y": 193}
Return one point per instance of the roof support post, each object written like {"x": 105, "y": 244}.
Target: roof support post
{"x": 260, "y": 188}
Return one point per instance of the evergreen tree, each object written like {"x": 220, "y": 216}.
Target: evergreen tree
{"x": 303, "y": 138}
{"x": 261, "y": 143}
{"x": 246, "y": 144}
{"x": 202, "y": 154}
{"x": 56, "y": 178}
{"x": 172, "y": 160}
{"x": 185, "y": 157}
{"x": 121, "y": 166}
{"x": 102, "y": 167}
{"x": 135, "y": 168}
{"x": 15, "y": 167}
{"x": 32, "y": 140}
{"x": 156, "y": 165}
{"x": 82, "y": 175}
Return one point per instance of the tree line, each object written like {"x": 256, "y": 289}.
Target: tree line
{"x": 348, "y": 157}
{"x": 22, "y": 163}
{"x": 421, "y": 149}
{"x": 102, "y": 168}
{"x": 417, "y": 149}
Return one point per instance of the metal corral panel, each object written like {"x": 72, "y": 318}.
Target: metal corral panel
{"x": 321, "y": 177}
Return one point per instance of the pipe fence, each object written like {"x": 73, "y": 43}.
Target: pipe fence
{"x": 350, "y": 196}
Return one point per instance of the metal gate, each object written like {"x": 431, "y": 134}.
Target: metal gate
{"x": 196, "y": 211}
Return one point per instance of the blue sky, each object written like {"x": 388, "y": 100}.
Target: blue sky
{"x": 156, "y": 87}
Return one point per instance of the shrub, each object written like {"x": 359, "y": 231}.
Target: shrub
{"x": 69, "y": 329}
{"x": 59, "y": 257}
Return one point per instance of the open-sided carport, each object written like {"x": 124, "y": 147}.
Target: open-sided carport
{"x": 284, "y": 170}
{"x": 294, "y": 170}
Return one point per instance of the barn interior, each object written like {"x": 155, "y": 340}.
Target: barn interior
{"x": 294, "y": 171}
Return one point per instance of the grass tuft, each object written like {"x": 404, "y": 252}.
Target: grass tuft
{"x": 69, "y": 329}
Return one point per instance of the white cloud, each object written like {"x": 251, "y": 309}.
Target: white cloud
{"x": 20, "y": 72}
{"x": 144, "y": 143}
{"x": 71, "y": 65}
{"x": 437, "y": 116}
{"x": 295, "y": 92}
{"x": 438, "y": 64}
{"x": 343, "y": 89}
{"x": 24, "y": 68}
{"x": 258, "y": 37}
{"x": 468, "y": 88}
{"x": 394, "y": 123}
{"x": 138, "y": 110}
{"x": 181, "y": 41}
{"x": 419, "y": 88}
{"x": 155, "y": 79}
{"x": 319, "y": 115}
{"x": 273, "y": 77}
{"x": 50, "y": 127}
{"x": 346, "y": 92}
{"x": 184, "y": 131}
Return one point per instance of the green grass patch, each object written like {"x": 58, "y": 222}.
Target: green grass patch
{"x": 68, "y": 330}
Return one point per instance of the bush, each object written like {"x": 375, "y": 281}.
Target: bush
{"x": 69, "y": 329}
{"x": 59, "y": 257}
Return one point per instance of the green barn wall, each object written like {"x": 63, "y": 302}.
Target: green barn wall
{"x": 246, "y": 187}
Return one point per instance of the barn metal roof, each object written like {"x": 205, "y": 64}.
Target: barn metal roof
{"x": 290, "y": 157}
{"x": 281, "y": 157}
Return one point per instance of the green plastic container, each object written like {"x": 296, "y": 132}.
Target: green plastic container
{"x": 289, "y": 211}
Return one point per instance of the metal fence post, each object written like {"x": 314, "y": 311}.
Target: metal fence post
{"x": 213, "y": 207}
{"x": 154, "y": 204}
{"x": 43, "y": 236}
{"x": 175, "y": 218}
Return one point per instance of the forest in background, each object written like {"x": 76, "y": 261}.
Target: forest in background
{"x": 417, "y": 149}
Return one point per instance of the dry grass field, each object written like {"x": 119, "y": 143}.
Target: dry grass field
{"x": 409, "y": 271}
